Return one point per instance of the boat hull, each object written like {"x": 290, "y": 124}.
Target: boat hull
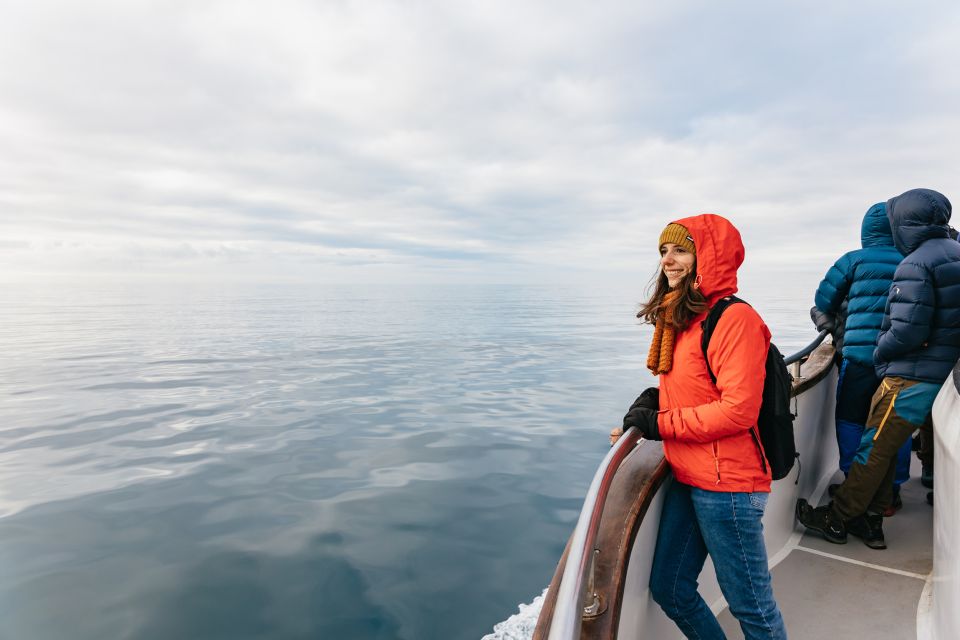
{"x": 945, "y": 614}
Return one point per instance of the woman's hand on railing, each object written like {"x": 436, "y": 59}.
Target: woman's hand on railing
{"x": 649, "y": 399}
{"x": 615, "y": 435}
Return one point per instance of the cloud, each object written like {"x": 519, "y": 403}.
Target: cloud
{"x": 497, "y": 140}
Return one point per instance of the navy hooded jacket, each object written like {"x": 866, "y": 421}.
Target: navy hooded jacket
{"x": 920, "y": 336}
{"x": 862, "y": 277}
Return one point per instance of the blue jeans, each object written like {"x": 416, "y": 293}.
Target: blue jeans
{"x": 726, "y": 525}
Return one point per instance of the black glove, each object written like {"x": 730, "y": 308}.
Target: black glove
{"x": 645, "y": 420}
{"x": 823, "y": 320}
{"x": 650, "y": 399}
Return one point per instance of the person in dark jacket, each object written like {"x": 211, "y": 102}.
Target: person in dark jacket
{"x": 917, "y": 347}
{"x": 851, "y": 300}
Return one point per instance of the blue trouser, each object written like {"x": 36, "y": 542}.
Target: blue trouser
{"x": 855, "y": 388}
{"x": 727, "y": 526}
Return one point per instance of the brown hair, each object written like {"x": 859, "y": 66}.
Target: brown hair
{"x": 684, "y": 309}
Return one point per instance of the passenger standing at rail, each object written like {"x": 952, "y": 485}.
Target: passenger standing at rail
{"x": 917, "y": 347}
{"x": 721, "y": 482}
{"x": 925, "y": 448}
{"x": 861, "y": 279}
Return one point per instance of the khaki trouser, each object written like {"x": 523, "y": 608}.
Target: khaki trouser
{"x": 869, "y": 487}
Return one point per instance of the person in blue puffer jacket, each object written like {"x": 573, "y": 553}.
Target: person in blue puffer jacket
{"x": 850, "y": 300}
{"x": 917, "y": 347}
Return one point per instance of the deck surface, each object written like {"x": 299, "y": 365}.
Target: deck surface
{"x": 851, "y": 591}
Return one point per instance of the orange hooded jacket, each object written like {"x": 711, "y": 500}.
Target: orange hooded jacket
{"x": 706, "y": 427}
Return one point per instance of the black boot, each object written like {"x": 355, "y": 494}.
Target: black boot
{"x": 869, "y": 528}
{"x": 823, "y": 520}
{"x": 926, "y": 477}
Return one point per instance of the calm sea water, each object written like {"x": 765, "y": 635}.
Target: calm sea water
{"x": 303, "y": 462}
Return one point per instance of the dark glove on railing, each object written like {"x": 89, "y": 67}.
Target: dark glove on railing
{"x": 645, "y": 420}
{"x": 823, "y": 320}
{"x": 650, "y": 399}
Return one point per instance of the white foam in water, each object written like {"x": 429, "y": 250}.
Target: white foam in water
{"x": 519, "y": 626}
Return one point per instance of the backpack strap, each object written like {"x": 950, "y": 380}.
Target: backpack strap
{"x": 710, "y": 323}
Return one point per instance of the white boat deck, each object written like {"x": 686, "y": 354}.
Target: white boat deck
{"x": 851, "y": 591}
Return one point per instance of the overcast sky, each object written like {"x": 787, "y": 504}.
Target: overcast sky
{"x": 457, "y": 141}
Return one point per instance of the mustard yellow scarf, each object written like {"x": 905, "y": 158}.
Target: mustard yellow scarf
{"x": 660, "y": 359}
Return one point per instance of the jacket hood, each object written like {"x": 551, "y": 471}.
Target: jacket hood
{"x": 917, "y": 216}
{"x": 719, "y": 253}
{"x": 875, "y": 230}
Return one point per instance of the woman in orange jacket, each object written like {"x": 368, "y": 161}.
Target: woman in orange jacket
{"x": 715, "y": 504}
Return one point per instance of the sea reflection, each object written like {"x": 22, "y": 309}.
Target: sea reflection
{"x": 300, "y": 462}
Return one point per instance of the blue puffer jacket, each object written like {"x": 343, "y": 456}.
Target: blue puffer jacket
{"x": 920, "y": 336}
{"x": 863, "y": 278}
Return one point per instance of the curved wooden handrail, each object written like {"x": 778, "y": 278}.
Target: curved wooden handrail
{"x": 634, "y": 487}
{"x": 816, "y": 367}
{"x": 807, "y": 350}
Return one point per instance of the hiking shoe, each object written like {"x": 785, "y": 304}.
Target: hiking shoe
{"x": 869, "y": 528}
{"x": 895, "y": 506}
{"x": 926, "y": 477}
{"x": 822, "y": 519}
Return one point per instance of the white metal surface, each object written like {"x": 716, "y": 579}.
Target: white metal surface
{"x": 945, "y": 614}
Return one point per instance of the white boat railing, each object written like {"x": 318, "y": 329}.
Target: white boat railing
{"x": 579, "y": 566}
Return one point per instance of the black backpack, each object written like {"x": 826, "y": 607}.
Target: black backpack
{"x": 775, "y": 422}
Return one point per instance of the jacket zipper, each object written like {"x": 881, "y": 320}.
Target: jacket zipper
{"x": 755, "y": 434}
{"x": 716, "y": 459}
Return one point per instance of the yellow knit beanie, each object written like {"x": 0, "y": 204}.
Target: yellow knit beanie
{"x": 678, "y": 235}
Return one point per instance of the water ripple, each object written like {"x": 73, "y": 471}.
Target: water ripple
{"x": 299, "y": 462}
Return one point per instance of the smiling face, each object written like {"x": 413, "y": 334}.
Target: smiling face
{"x": 676, "y": 262}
